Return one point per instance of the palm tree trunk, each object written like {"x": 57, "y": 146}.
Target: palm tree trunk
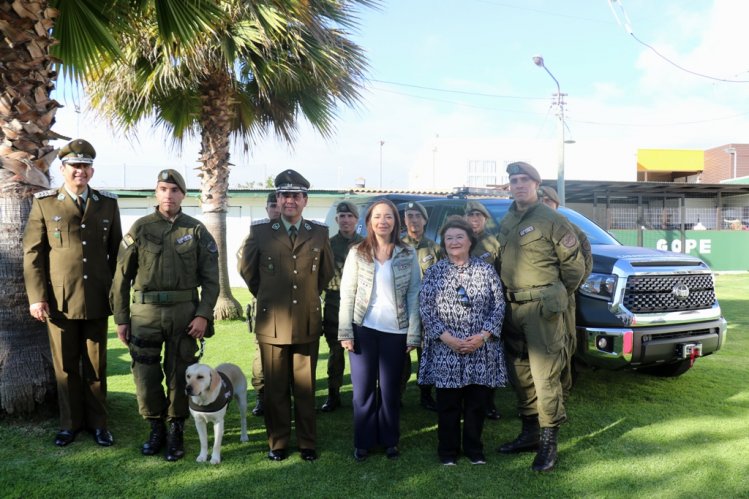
{"x": 214, "y": 158}
{"x": 26, "y": 117}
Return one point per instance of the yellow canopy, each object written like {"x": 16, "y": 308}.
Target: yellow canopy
{"x": 670, "y": 160}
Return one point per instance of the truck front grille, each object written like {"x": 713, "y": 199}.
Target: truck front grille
{"x": 667, "y": 293}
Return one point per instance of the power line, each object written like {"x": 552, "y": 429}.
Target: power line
{"x": 449, "y": 91}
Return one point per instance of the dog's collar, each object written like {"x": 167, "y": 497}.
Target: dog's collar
{"x": 223, "y": 399}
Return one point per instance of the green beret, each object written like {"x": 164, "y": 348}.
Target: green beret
{"x": 473, "y": 205}
{"x": 347, "y": 207}
{"x": 551, "y": 193}
{"x": 172, "y": 177}
{"x": 416, "y": 206}
{"x": 271, "y": 198}
{"x": 521, "y": 167}
{"x": 291, "y": 181}
{"x": 77, "y": 151}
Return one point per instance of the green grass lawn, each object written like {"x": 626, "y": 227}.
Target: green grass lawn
{"x": 628, "y": 435}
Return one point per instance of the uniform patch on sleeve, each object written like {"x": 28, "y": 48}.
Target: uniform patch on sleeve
{"x": 212, "y": 247}
{"x": 527, "y": 230}
{"x": 586, "y": 246}
{"x": 569, "y": 240}
{"x": 427, "y": 258}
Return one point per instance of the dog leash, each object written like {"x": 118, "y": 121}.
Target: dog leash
{"x": 202, "y": 349}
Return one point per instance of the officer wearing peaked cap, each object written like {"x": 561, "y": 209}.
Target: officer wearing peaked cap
{"x": 541, "y": 266}
{"x": 347, "y": 217}
{"x": 165, "y": 258}
{"x": 70, "y": 248}
{"x": 287, "y": 263}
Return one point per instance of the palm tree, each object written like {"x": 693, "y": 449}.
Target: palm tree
{"x": 29, "y": 60}
{"x": 269, "y": 63}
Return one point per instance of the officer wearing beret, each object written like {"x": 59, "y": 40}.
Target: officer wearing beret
{"x": 347, "y": 216}
{"x": 551, "y": 199}
{"x": 258, "y": 381}
{"x": 541, "y": 266}
{"x": 428, "y": 253}
{"x": 70, "y": 247}
{"x": 487, "y": 249}
{"x": 165, "y": 258}
{"x": 287, "y": 263}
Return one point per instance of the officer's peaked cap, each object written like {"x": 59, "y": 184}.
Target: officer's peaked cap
{"x": 77, "y": 151}
{"x": 291, "y": 181}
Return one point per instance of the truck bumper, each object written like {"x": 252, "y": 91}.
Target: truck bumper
{"x": 615, "y": 348}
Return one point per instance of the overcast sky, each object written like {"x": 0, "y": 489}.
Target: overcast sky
{"x": 454, "y": 79}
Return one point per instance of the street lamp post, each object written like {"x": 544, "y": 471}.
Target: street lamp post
{"x": 539, "y": 61}
{"x": 382, "y": 143}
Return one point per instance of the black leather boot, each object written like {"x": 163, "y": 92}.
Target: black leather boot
{"x": 155, "y": 439}
{"x": 527, "y": 441}
{"x": 546, "y": 457}
{"x": 175, "y": 443}
{"x": 333, "y": 402}
{"x": 259, "y": 410}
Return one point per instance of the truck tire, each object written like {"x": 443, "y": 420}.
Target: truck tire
{"x": 671, "y": 370}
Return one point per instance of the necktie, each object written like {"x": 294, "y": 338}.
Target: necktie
{"x": 80, "y": 203}
{"x": 292, "y": 234}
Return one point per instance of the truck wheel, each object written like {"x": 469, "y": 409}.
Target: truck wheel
{"x": 671, "y": 370}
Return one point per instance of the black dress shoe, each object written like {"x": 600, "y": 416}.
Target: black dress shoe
{"x": 64, "y": 437}
{"x": 360, "y": 455}
{"x": 331, "y": 404}
{"x": 308, "y": 454}
{"x": 392, "y": 452}
{"x": 103, "y": 437}
{"x": 278, "y": 455}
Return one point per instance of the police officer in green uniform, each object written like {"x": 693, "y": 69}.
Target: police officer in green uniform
{"x": 287, "y": 263}
{"x": 347, "y": 216}
{"x": 271, "y": 208}
{"x": 551, "y": 199}
{"x": 165, "y": 257}
{"x": 427, "y": 253}
{"x": 70, "y": 246}
{"x": 487, "y": 249}
{"x": 541, "y": 266}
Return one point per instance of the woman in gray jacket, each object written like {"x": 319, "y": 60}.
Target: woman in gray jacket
{"x": 378, "y": 324}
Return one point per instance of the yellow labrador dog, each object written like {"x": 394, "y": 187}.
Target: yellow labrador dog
{"x": 210, "y": 391}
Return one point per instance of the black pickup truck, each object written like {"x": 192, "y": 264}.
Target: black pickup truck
{"x": 650, "y": 310}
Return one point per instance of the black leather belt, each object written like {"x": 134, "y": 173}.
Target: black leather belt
{"x": 165, "y": 297}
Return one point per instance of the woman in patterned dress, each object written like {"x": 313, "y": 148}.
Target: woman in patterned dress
{"x": 462, "y": 308}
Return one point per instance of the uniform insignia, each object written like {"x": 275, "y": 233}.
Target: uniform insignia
{"x": 164, "y": 175}
{"x": 314, "y": 267}
{"x": 485, "y": 255}
{"x": 270, "y": 266}
{"x": 315, "y": 250}
{"x": 61, "y": 197}
{"x": 527, "y": 230}
{"x": 307, "y": 226}
{"x": 427, "y": 258}
{"x": 321, "y": 224}
{"x": 569, "y": 240}
{"x": 108, "y": 194}
{"x": 45, "y": 194}
{"x": 105, "y": 221}
{"x": 184, "y": 239}
{"x": 127, "y": 240}
{"x": 586, "y": 245}
{"x": 260, "y": 221}
{"x": 57, "y": 218}
{"x": 57, "y": 233}
{"x": 212, "y": 247}
{"x": 276, "y": 226}
{"x": 94, "y": 197}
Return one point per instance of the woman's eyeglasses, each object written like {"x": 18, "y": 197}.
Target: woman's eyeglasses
{"x": 463, "y": 297}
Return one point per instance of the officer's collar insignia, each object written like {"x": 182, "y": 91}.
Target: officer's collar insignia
{"x": 276, "y": 226}
{"x": 57, "y": 218}
{"x": 105, "y": 221}
{"x": 61, "y": 197}
{"x": 527, "y": 230}
{"x": 94, "y": 197}
{"x": 307, "y": 226}
{"x": 315, "y": 250}
{"x": 184, "y": 239}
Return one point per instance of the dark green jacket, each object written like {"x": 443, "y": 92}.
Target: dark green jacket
{"x": 340, "y": 246}
{"x": 427, "y": 252}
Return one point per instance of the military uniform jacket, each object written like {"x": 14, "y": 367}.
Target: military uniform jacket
{"x": 287, "y": 281}
{"x": 539, "y": 248}
{"x": 487, "y": 249}
{"x": 427, "y": 252}
{"x": 69, "y": 258}
{"x": 160, "y": 255}
{"x": 340, "y": 246}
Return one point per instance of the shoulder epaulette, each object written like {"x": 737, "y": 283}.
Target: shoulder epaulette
{"x": 108, "y": 194}
{"x": 260, "y": 221}
{"x": 321, "y": 224}
{"x": 45, "y": 194}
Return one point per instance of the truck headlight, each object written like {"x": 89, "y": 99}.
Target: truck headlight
{"x": 599, "y": 286}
